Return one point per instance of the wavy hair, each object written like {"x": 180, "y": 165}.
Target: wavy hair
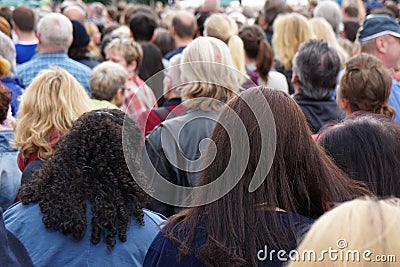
{"x": 204, "y": 61}
{"x": 49, "y": 106}
{"x": 290, "y": 30}
{"x": 235, "y": 225}
{"x": 88, "y": 170}
{"x": 366, "y": 85}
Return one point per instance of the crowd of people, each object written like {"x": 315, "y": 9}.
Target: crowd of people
{"x": 220, "y": 136}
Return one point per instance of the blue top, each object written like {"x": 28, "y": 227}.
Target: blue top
{"x": 15, "y": 85}
{"x": 10, "y": 175}
{"x": 394, "y": 98}
{"x": 25, "y": 52}
{"x": 174, "y": 52}
{"x": 163, "y": 252}
{"x": 52, "y": 248}
{"x": 28, "y": 71}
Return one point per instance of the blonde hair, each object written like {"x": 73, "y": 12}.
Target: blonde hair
{"x": 49, "y": 106}
{"x": 322, "y": 29}
{"x": 358, "y": 225}
{"x": 290, "y": 30}
{"x": 106, "y": 79}
{"x": 128, "y": 48}
{"x": 209, "y": 74}
{"x": 5, "y": 67}
{"x": 224, "y": 28}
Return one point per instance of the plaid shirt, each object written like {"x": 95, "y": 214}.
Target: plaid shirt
{"x": 28, "y": 71}
{"x": 138, "y": 97}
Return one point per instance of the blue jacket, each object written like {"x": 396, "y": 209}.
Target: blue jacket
{"x": 52, "y": 248}
{"x": 15, "y": 85}
{"x": 10, "y": 175}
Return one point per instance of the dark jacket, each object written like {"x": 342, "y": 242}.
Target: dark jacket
{"x": 162, "y": 150}
{"x": 318, "y": 112}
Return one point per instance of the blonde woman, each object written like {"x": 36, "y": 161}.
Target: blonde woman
{"x": 209, "y": 79}
{"x": 222, "y": 27}
{"x": 290, "y": 30}
{"x": 49, "y": 106}
{"x": 323, "y": 30}
{"x": 363, "y": 232}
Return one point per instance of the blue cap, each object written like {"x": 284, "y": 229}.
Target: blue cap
{"x": 377, "y": 25}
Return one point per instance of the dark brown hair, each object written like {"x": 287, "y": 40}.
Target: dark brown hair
{"x": 366, "y": 84}
{"x": 302, "y": 180}
{"x": 258, "y": 48}
{"x": 24, "y": 18}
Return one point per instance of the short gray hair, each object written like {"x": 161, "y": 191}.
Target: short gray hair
{"x": 316, "y": 65}
{"x": 55, "y": 31}
{"x": 329, "y": 10}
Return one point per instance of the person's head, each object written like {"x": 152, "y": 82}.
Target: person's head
{"x": 97, "y": 10}
{"x": 88, "y": 172}
{"x": 380, "y": 36}
{"x": 362, "y": 231}
{"x": 351, "y": 11}
{"x": 257, "y": 49}
{"x": 315, "y": 69}
{"x": 7, "y": 51}
{"x": 366, "y": 147}
{"x": 5, "y": 67}
{"x": 94, "y": 33}
{"x": 365, "y": 85}
{"x": 172, "y": 80}
{"x": 205, "y": 60}
{"x": 23, "y": 19}
{"x": 107, "y": 82}
{"x": 306, "y": 189}
{"x": 350, "y": 29}
{"x": 329, "y": 10}
{"x": 49, "y": 106}
{"x": 164, "y": 41}
{"x": 79, "y": 46}
{"x": 75, "y": 12}
{"x": 183, "y": 25}
{"x": 222, "y": 27}
{"x": 270, "y": 11}
{"x": 5, "y": 99}
{"x": 211, "y": 6}
{"x": 5, "y": 27}
{"x": 54, "y": 33}
{"x": 125, "y": 52}
{"x": 323, "y": 30}
{"x": 142, "y": 26}
{"x": 290, "y": 30}
{"x": 152, "y": 63}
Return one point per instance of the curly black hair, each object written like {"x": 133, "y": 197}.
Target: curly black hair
{"x": 88, "y": 167}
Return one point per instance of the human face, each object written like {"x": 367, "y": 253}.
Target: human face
{"x": 393, "y": 52}
{"x": 117, "y": 58}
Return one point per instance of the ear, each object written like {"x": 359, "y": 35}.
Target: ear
{"x": 295, "y": 78}
{"x": 132, "y": 67}
{"x": 380, "y": 44}
{"x": 118, "y": 98}
{"x": 172, "y": 31}
{"x": 153, "y": 37}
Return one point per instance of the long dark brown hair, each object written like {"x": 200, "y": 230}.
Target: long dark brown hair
{"x": 302, "y": 180}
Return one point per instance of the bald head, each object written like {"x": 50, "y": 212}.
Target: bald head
{"x": 211, "y": 6}
{"x": 75, "y": 12}
{"x": 184, "y": 24}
